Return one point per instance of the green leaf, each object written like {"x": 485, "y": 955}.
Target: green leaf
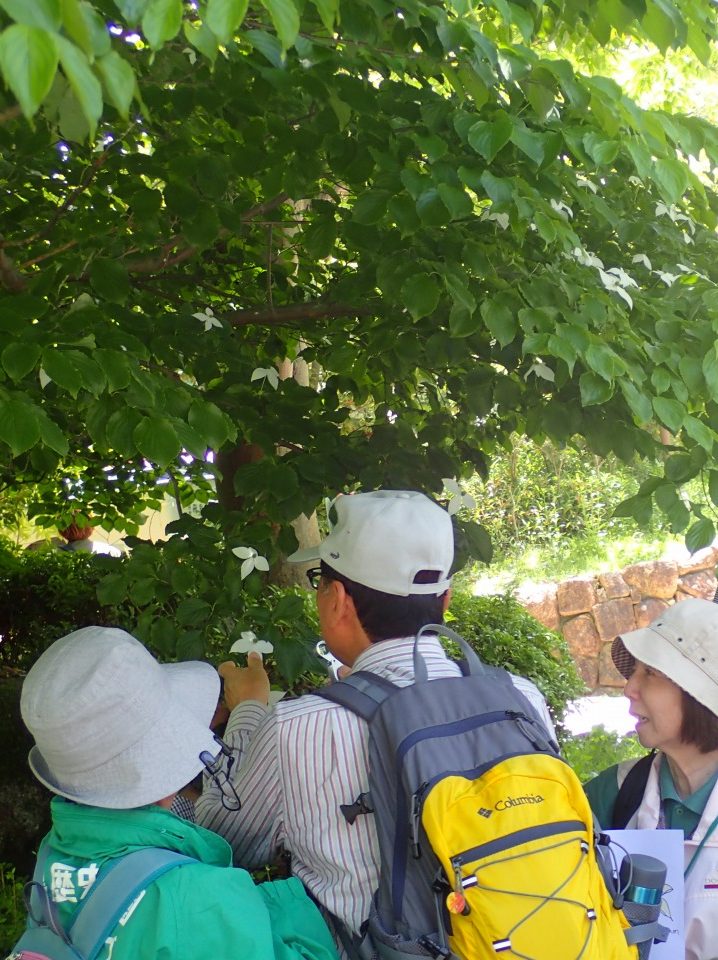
{"x": 545, "y": 226}
{"x": 18, "y": 359}
{"x": 594, "y": 389}
{"x": 370, "y": 207}
{"x": 600, "y": 150}
{"x": 640, "y": 508}
{"x": 110, "y": 280}
{"x": 192, "y": 610}
{"x": 710, "y": 370}
{"x": 498, "y": 189}
{"x": 115, "y": 366}
{"x": 157, "y": 440}
{"x": 639, "y": 403}
{"x": 132, "y": 10}
{"x": 224, "y": 16}
{"x": 82, "y": 80}
{"x": 680, "y": 467}
{"x": 320, "y": 238}
{"x": 162, "y": 637}
{"x": 328, "y": 11}
{"x": 119, "y": 81}
{"x": 161, "y": 21}
{"x": 658, "y": 26}
{"x": 201, "y": 38}
{"x": 530, "y": 143}
{"x": 112, "y": 589}
{"x": 431, "y": 208}
{"x": 209, "y": 421}
{"x": 19, "y": 427}
{"x": 456, "y": 201}
{"x": 190, "y": 645}
{"x": 700, "y": 534}
{"x": 488, "y": 137}
{"x": 51, "y": 435}
{"x": 420, "y": 295}
{"x": 478, "y": 541}
{"x": 285, "y": 18}
{"x": 44, "y": 14}
{"x": 699, "y": 432}
{"x": 500, "y": 320}
{"x": 61, "y": 370}
{"x": 671, "y": 176}
{"x": 670, "y": 412}
{"x": 84, "y": 25}
{"x": 121, "y": 431}
{"x": 713, "y": 486}
{"x": 28, "y": 58}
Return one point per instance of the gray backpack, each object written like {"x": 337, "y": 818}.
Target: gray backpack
{"x": 485, "y": 835}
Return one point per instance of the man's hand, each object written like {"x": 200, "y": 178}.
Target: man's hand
{"x": 245, "y": 683}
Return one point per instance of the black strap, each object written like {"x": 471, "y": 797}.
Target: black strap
{"x": 361, "y": 692}
{"x": 631, "y": 791}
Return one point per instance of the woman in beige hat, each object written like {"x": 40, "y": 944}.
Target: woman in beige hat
{"x": 671, "y": 670}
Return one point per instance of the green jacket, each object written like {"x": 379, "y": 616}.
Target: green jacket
{"x": 208, "y": 910}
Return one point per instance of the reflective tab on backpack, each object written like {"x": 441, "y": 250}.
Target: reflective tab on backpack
{"x": 501, "y": 945}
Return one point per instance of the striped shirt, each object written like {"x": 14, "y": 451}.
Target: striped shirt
{"x": 297, "y": 763}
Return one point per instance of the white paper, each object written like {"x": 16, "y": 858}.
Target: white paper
{"x": 275, "y": 696}
{"x": 665, "y": 845}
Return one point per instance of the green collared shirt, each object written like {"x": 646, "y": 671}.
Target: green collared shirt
{"x": 680, "y": 813}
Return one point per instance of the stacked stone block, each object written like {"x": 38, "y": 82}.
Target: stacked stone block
{"x": 591, "y": 611}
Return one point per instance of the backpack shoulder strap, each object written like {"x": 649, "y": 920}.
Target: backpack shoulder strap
{"x": 361, "y": 692}
{"x": 113, "y": 892}
{"x": 631, "y": 791}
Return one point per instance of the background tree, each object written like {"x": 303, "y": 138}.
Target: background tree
{"x": 461, "y": 233}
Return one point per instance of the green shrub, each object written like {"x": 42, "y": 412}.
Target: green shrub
{"x": 46, "y": 594}
{"x": 592, "y": 752}
{"x": 540, "y": 496}
{"x": 12, "y": 908}
{"x": 505, "y": 635}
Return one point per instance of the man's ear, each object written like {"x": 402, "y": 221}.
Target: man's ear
{"x": 446, "y": 600}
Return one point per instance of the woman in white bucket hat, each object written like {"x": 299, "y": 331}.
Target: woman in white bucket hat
{"x": 671, "y": 670}
{"x": 116, "y": 736}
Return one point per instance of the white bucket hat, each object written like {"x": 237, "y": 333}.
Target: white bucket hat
{"x": 383, "y": 539}
{"x": 112, "y": 726}
{"x": 682, "y": 643}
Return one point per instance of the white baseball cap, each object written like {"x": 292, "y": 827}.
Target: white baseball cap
{"x": 113, "y": 727}
{"x": 682, "y": 643}
{"x": 383, "y": 539}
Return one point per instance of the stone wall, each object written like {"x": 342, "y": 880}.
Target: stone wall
{"x": 590, "y": 611}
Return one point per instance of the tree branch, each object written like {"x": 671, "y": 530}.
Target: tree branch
{"x": 10, "y": 276}
{"x": 10, "y": 114}
{"x": 163, "y": 260}
{"x": 293, "y": 312}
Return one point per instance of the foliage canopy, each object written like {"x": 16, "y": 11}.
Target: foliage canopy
{"x": 462, "y": 235}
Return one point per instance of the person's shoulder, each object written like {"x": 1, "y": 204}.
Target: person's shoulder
{"x": 602, "y": 791}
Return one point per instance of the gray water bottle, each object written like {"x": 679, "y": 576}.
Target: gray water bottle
{"x": 642, "y": 878}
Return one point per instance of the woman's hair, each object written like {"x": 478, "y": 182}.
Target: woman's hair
{"x": 385, "y": 616}
{"x": 700, "y": 725}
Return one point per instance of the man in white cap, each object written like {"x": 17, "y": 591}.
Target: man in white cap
{"x": 117, "y": 735}
{"x": 383, "y": 574}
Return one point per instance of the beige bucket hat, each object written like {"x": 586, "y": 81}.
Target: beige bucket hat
{"x": 112, "y": 726}
{"x": 682, "y": 643}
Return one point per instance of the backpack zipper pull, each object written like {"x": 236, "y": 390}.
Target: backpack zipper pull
{"x": 456, "y": 901}
{"x": 415, "y": 817}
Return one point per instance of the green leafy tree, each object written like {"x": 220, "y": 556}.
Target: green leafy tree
{"x": 461, "y": 233}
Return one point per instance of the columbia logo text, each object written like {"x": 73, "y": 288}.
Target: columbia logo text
{"x": 518, "y": 801}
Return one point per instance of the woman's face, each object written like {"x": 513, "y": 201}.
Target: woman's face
{"x": 656, "y": 703}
